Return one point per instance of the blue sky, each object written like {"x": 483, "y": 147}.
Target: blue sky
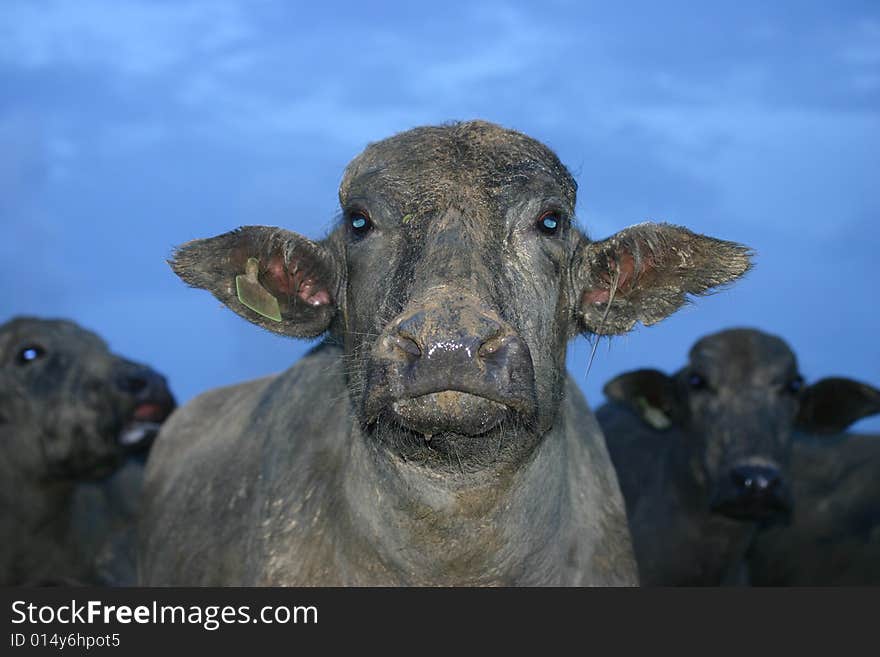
{"x": 129, "y": 127}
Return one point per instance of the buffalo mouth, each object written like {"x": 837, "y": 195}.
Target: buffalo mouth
{"x": 144, "y": 423}
{"x": 754, "y": 509}
{"x": 450, "y": 411}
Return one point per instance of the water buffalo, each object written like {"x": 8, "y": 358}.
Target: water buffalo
{"x": 704, "y": 455}
{"x": 433, "y": 438}
{"x": 71, "y": 415}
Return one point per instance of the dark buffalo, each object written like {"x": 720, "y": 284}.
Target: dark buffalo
{"x": 74, "y": 420}
{"x": 704, "y": 455}
{"x": 434, "y": 437}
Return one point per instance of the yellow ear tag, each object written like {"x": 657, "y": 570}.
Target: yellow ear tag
{"x": 253, "y": 295}
{"x": 653, "y": 416}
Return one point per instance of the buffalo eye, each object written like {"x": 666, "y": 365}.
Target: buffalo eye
{"x": 696, "y": 381}
{"x": 549, "y": 223}
{"x": 795, "y": 385}
{"x": 359, "y": 223}
{"x": 29, "y": 354}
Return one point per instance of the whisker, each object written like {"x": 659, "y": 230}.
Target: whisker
{"x": 614, "y": 280}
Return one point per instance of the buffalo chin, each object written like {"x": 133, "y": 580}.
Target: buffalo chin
{"x": 93, "y": 469}
{"x": 455, "y": 431}
{"x": 764, "y": 511}
{"x": 138, "y": 436}
{"x": 449, "y": 412}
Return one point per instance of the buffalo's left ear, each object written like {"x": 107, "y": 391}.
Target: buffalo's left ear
{"x": 650, "y": 394}
{"x": 831, "y": 405}
{"x": 645, "y": 272}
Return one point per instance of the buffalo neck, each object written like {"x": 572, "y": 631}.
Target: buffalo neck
{"x": 35, "y": 521}
{"x": 482, "y": 527}
{"x": 36, "y": 506}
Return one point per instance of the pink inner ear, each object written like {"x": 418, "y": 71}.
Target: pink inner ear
{"x": 598, "y": 295}
{"x": 626, "y": 265}
{"x": 289, "y": 281}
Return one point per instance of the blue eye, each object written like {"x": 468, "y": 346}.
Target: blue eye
{"x": 29, "y": 354}
{"x": 359, "y": 223}
{"x": 696, "y": 381}
{"x": 549, "y": 223}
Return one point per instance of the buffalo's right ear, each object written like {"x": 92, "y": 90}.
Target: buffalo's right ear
{"x": 644, "y": 273}
{"x": 831, "y": 405}
{"x": 272, "y": 277}
{"x": 651, "y": 394}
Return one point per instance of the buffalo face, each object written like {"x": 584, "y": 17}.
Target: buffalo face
{"x": 738, "y": 403}
{"x": 454, "y": 279}
{"x": 72, "y": 408}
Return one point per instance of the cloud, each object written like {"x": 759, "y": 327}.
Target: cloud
{"x": 135, "y": 38}
{"x": 134, "y": 126}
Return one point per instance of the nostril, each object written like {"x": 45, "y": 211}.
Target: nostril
{"x": 742, "y": 479}
{"x": 755, "y": 479}
{"x": 492, "y": 346}
{"x": 407, "y": 345}
{"x": 771, "y": 482}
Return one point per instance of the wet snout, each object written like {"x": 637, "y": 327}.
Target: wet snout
{"x": 452, "y": 366}
{"x": 752, "y": 491}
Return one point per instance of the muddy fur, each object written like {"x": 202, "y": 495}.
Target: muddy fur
{"x": 647, "y": 271}
{"x": 307, "y": 499}
{"x": 445, "y": 450}
{"x": 675, "y": 440}
{"x": 61, "y": 416}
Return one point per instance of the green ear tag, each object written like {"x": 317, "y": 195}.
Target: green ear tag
{"x": 406, "y": 218}
{"x": 255, "y": 296}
